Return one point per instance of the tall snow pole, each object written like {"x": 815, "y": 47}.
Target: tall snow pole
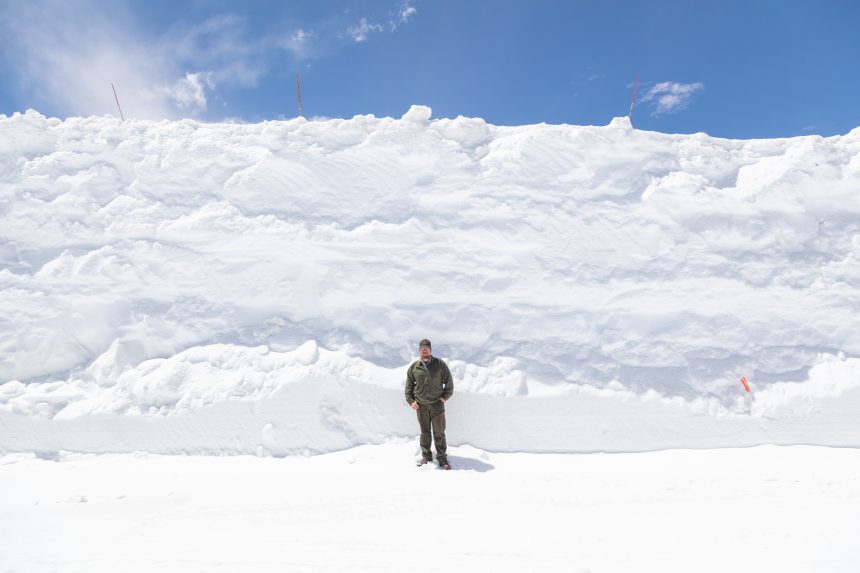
{"x": 117, "y": 101}
{"x": 632, "y": 101}
{"x": 299, "y": 84}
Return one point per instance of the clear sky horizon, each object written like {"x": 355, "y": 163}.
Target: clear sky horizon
{"x": 737, "y": 69}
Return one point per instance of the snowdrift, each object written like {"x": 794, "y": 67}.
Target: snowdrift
{"x": 225, "y": 288}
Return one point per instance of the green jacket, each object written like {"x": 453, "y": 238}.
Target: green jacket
{"x": 427, "y": 383}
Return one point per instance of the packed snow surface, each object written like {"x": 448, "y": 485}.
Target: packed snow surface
{"x": 229, "y": 288}
{"x": 764, "y": 509}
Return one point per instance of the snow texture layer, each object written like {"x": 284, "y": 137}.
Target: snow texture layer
{"x": 189, "y": 287}
{"x": 782, "y": 510}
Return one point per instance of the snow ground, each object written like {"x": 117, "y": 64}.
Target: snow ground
{"x": 768, "y": 508}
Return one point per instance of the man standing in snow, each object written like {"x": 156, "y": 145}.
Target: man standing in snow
{"x": 428, "y": 387}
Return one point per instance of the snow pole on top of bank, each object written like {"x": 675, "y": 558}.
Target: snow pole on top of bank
{"x": 299, "y": 88}
{"x": 116, "y": 97}
{"x": 633, "y": 99}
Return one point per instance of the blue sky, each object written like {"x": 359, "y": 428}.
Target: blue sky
{"x": 739, "y": 69}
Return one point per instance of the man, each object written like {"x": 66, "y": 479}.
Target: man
{"x": 428, "y": 387}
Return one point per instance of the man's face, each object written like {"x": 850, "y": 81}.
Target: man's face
{"x": 424, "y": 352}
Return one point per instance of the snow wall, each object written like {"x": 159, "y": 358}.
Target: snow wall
{"x": 179, "y": 287}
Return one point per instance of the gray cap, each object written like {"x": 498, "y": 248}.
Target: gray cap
{"x": 425, "y": 342}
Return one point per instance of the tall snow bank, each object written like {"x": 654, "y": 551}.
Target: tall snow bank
{"x": 552, "y": 257}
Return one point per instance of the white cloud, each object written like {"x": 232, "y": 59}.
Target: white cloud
{"x": 670, "y": 97}
{"x": 299, "y": 44}
{"x": 405, "y": 12}
{"x": 586, "y": 78}
{"x": 360, "y": 31}
{"x": 188, "y": 93}
{"x": 402, "y": 14}
{"x": 218, "y": 44}
{"x": 65, "y": 57}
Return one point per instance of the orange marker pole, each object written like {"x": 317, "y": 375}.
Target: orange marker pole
{"x": 299, "y": 83}
{"x": 745, "y": 383}
{"x": 632, "y": 101}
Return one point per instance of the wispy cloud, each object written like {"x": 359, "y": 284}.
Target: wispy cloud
{"x": 405, "y": 12}
{"x": 670, "y": 97}
{"x": 220, "y": 45}
{"x": 360, "y": 31}
{"x": 299, "y": 43}
{"x": 66, "y": 57}
{"x": 587, "y": 78}
{"x": 188, "y": 93}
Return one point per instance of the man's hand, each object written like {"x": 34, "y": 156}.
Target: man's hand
{"x": 415, "y": 406}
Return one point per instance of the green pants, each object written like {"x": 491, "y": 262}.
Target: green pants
{"x": 432, "y": 417}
